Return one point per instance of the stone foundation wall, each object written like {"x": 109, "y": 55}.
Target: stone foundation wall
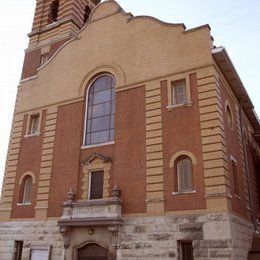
{"x": 34, "y": 234}
{"x": 214, "y": 236}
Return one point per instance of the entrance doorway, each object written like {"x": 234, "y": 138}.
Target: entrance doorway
{"x": 92, "y": 251}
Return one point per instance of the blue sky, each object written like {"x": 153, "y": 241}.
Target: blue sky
{"x": 235, "y": 25}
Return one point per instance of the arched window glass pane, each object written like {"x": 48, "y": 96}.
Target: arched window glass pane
{"x": 100, "y": 111}
{"x": 27, "y": 192}
{"x": 184, "y": 172}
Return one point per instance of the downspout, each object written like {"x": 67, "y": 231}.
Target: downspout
{"x": 246, "y": 166}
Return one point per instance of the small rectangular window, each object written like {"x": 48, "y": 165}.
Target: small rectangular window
{"x": 179, "y": 93}
{"x": 185, "y": 250}
{"x": 34, "y": 124}
{"x": 96, "y": 185}
{"x": 18, "y": 250}
{"x": 235, "y": 177}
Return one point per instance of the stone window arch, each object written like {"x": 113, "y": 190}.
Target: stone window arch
{"x": 182, "y": 164}
{"x": 100, "y": 111}
{"x": 26, "y": 184}
{"x": 183, "y": 171}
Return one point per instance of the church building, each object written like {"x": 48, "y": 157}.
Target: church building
{"x": 131, "y": 138}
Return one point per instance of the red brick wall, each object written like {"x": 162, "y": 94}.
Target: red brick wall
{"x": 32, "y": 59}
{"x": 31, "y": 63}
{"x": 181, "y": 131}
{"x": 254, "y": 173}
{"x": 233, "y": 149}
{"x": 66, "y": 154}
{"x": 129, "y": 167}
{"x": 128, "y": 153}
{"x": 29, "y": 160}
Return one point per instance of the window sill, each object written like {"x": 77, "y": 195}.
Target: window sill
{"x": 52, "y": 24}
{"x": 183, "y": 192}
{"x": 24, "y": 204}
{"x": 93, "y": 200}
{"x": 188, "y": 104}
{"x": 32, "y": 135}
{"x": 96, "y": 145}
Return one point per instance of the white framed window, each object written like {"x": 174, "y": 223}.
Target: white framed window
{"x": 34, "y": 124}
{"x": 184, "y": 174}
{"x": 96, "y": 182}
{"x": 100, "y": 112}
{"x": 179, "y": 92}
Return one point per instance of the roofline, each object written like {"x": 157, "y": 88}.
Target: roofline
{"x": 223, "y": 50}
{"x": 243, "y": 97}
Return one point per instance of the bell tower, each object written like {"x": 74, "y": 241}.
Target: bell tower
{"x": 55, "y": 22}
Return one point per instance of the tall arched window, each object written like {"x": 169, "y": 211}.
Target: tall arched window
{"x": 184, "y": 174}
{"x": 100, "y": 111}
{"x": 27, "y": 189}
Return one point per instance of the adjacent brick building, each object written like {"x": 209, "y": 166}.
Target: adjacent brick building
{"x": 131, "y": 139}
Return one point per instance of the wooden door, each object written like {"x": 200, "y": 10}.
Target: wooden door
{"x": 92, "y": 252}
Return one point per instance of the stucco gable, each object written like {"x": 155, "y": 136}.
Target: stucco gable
{"x": 105, "y": 9}
{"x": 141, "y": 48}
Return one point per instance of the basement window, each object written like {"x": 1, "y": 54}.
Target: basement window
{"x": 18, "y": 250}
{"x": 185, "y": 249}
